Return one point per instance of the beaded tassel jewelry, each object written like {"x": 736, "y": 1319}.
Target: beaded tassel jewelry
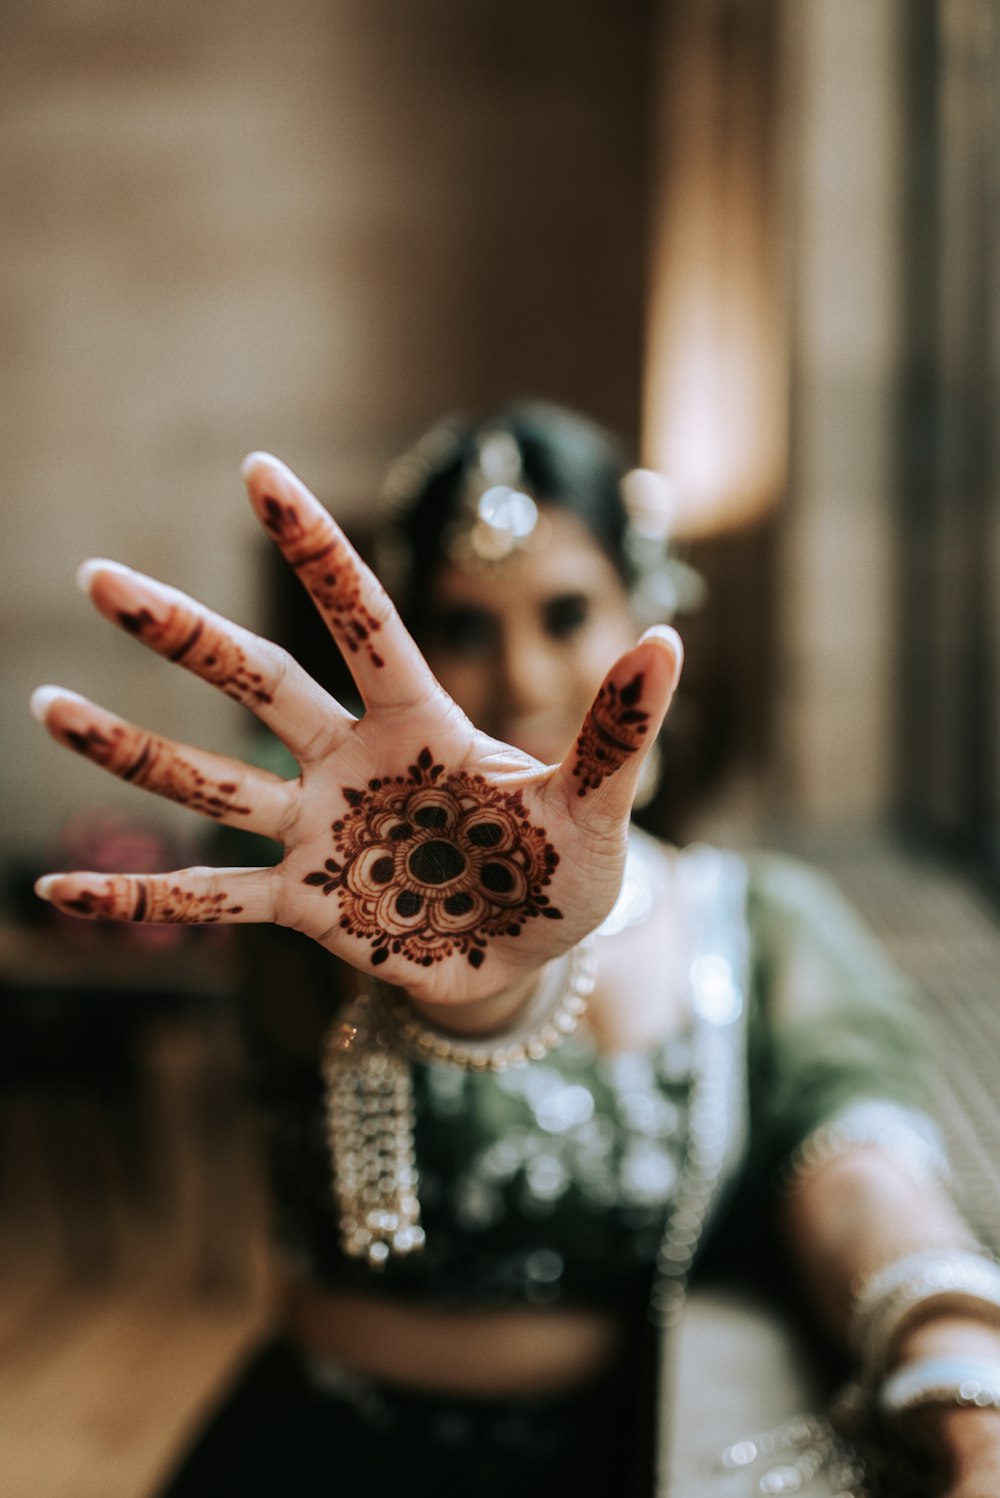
{"x": 369, "y": 1095}
{"x": 369, "y": 1117}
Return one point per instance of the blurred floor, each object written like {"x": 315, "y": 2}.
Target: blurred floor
{"x": 98, "y": 1387}
{"x": 99, "y": 1383}
{"x": 127, "y": 1294}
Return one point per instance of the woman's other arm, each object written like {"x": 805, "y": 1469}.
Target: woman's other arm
{"x": 837, "y": 1029}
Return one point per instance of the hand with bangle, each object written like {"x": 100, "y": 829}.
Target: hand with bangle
{"x": 894, "y": 1271}
{"x": 926, "y": 1329}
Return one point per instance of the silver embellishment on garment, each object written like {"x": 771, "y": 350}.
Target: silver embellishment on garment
{"x": 446, "y": 1089}
{"x": 717, "y": 997}
{"x": 649, "y": 1113}
{"x": 478, "y": 1205}
{"x": 648, "y": 1174}
{"x": 546, "y": 1178}
{"x": 567, "y": 1108}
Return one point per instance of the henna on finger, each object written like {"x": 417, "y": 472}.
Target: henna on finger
{"x": 146, "y": 760}
{"x": 612, "y": 732}
{"x": 200, "y": 646}
{"x": 155, "y": 901}
{"x": 325, "y": 565}
{"x": 251, "y": 670}
{"x": 430, "y": 864}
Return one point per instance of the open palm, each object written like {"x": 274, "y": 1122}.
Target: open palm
{"x": 415, "y": 846}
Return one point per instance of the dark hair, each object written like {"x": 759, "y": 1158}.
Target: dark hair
{"x": 567, "y": 461}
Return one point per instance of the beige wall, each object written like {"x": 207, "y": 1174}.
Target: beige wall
{"x": 838, "y": 604}
{"x": 308, "y": 226}
{"x": 312, "y": 226}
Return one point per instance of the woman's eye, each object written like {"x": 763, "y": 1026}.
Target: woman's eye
{"x": 564, "y": 616}
{"x": 466, "y": 632}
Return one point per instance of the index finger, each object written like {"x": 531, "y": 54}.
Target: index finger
{"x": 382, "y": 656}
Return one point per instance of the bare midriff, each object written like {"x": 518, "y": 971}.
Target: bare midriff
{"x": 510, "y": 1351}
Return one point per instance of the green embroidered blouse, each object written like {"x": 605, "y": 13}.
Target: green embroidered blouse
{"x": 555, "y": 1181}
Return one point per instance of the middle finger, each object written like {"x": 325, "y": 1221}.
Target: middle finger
{"x": 380, "y": 652}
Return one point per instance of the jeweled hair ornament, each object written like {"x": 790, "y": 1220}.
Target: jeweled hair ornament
{"x": 497, "y": 516}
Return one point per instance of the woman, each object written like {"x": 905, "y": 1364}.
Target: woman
{"x": 466, "y": 1306}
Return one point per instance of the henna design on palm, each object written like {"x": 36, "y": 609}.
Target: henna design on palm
{"x": 612, "y": 732}
{"x": 202, "y": 649}
{"x": 431, "y": 864}
{"x": 320, "y": 563}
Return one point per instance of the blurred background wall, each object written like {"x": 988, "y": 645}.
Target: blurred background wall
{"x": 313, "y": 227}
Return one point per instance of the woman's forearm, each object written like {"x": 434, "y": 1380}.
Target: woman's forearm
{"x": 858, "y": 1212}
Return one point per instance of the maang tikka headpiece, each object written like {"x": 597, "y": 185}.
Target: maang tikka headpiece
{"x": 497, "y": 516}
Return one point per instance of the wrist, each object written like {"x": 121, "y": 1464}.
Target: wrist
{"x": 959, "y": 1437}
{"x": 916, "y": 1291}
{"x": 942, "y": 1393}
{"x": 946, "y": 1335}
{"x": 551, "y": 1011}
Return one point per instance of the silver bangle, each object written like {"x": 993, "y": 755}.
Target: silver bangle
{"x": 552, "y": 1013}
{"x": 961, "y": 1381}
{"x": 901, "y": 1295}
{"x": 909, "y": 1135}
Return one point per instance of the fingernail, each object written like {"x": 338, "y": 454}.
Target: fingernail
{"x": 88, "y": 570}
{"x": 43, "y": 886}
{"x": 41, "y": 700}
{"x": 662, "y": 632}
{"x": 669, "y": 636}
{"x": 252, "y": 460}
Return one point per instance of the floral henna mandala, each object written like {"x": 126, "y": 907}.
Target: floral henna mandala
{"x": 318, "y": 561}
{"x": 431, "y": 864}
{"x": 614, "y": 729}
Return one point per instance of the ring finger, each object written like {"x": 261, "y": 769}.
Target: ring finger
{"x": 225, "y": 789}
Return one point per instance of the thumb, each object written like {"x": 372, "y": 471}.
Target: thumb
{"x": 604, "y": 764}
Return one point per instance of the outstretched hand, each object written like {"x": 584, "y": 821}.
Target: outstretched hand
{"x": 415, "y": 846}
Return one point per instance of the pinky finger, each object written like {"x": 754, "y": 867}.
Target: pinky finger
{"x": 192, "y": 897}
